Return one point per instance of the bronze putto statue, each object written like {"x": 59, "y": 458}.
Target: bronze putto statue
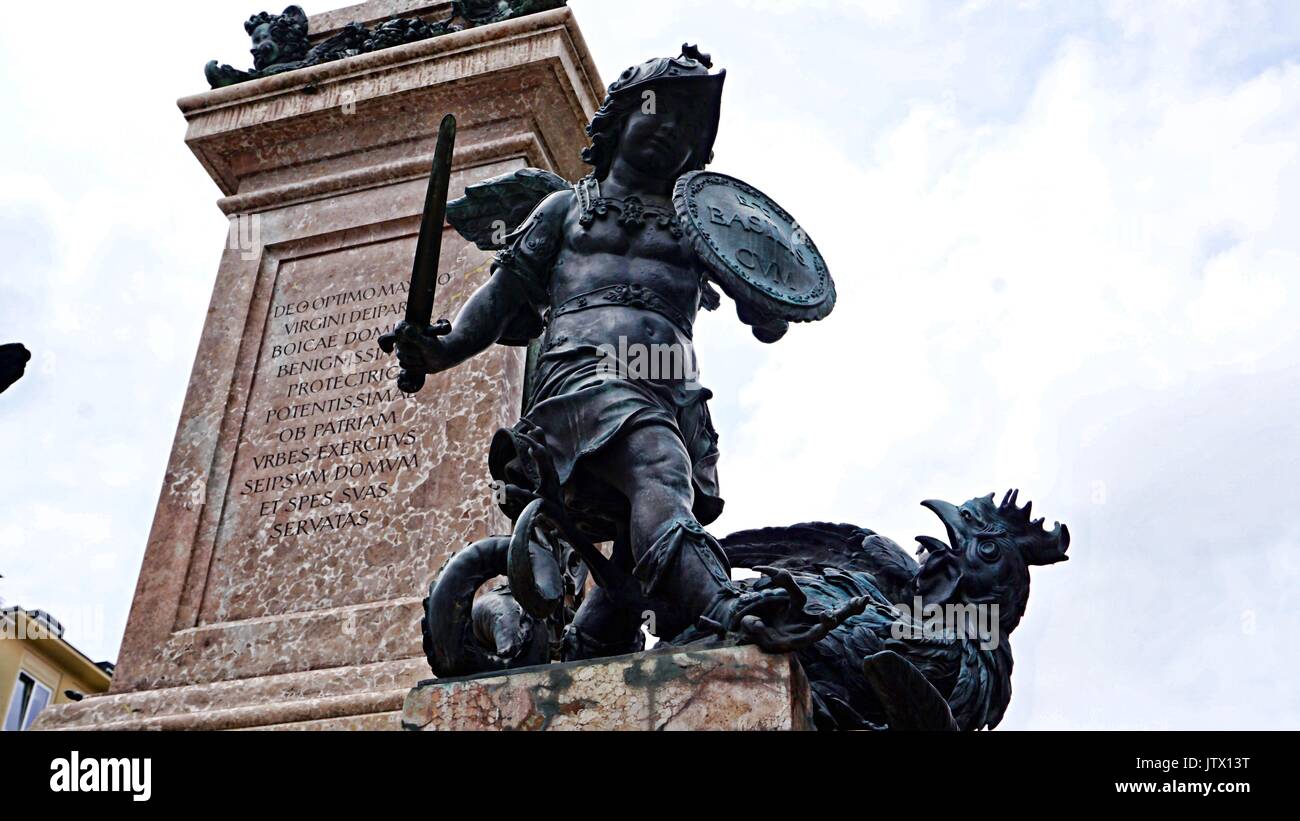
{"x": 606, "y": 276}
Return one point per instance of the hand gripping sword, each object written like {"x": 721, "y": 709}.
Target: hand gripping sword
{"x": 428, "y": 250}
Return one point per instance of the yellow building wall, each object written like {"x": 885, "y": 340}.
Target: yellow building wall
{"x": 51, "y": 661}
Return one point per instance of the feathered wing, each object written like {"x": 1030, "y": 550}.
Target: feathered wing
{"x": 811, "y": 546}
{"x": 806, "y": 547}
{"x": 909, "y": 700}
{"x": 982, "y": 690}
{"x": 491, "y": 209}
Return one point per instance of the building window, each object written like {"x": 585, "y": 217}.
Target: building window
{"x": 29, "y": 698}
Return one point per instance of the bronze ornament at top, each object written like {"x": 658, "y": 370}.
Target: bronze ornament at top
{"x": 280, "y": 41}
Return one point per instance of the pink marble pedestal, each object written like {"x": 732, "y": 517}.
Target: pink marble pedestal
{"x": 727, "y": 688}
{"x": 307, "y": 504}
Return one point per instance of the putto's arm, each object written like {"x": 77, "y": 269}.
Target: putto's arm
{"x": 526, "y": 264}
{"x": 505, "y": 309}
{"x": 766, "y": 329}
{"x": 483, "y": 319}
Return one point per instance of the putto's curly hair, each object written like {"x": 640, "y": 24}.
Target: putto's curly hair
{"x": 606, "y": 128}
{"x": 288, "y": 31}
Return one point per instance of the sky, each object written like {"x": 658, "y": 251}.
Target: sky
{"x": 1065, "y": 240}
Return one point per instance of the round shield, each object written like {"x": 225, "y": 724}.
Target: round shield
{"x": 756, "y": 251}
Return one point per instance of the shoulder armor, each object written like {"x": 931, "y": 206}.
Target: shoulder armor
{"x": 530, "y": 252}
{"x": 537, "y": 239}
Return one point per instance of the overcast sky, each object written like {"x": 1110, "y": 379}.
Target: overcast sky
{"x": 1066, "y": 238}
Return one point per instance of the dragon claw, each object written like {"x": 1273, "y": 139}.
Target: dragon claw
{"x": 772, "y": 615}
{"x": 750, "y": 603}
{"x": 785, "y": 635}
{"x": 782, "y": 580}
{"x": 709, "y": 625}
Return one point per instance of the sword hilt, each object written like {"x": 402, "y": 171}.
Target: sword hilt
{"x": 410, "y": 381}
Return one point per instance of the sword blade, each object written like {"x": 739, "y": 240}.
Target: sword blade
{"x": 428, "y": 248}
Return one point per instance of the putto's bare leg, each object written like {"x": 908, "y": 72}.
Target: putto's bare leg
{"x": 680, "y": 567}
{"x": 603, "y": 627}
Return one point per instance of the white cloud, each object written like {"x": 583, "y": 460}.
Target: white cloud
{"x": 1130, "y": 231}
{"x": 875, "y": 12}
{"x": 1064, "y": 241}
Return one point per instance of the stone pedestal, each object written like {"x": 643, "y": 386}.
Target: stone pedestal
{"x": 307, "y": 504}
{"x": 727, "y": 688}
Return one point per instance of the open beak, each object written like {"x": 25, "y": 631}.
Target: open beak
{"x": 950, "y": 516}
{"x": 930, "y": 544}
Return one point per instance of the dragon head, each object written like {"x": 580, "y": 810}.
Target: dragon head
{"x": 987, "y": 556}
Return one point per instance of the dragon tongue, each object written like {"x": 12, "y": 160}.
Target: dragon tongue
{"x": 932, "y": 544}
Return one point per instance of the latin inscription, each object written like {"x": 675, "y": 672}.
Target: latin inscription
{"x": 331, "y": 438}
{"x": 759, "y": 232}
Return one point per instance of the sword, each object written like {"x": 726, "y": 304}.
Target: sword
{"x": 428, "y": 250}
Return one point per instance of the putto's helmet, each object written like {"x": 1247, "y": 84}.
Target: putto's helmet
{"x": 690, "y": 71}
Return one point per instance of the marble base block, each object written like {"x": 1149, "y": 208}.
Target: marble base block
{"x": 722, "y": 688}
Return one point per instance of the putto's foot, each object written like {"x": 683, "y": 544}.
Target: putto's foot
{"x": 578, "y": 645}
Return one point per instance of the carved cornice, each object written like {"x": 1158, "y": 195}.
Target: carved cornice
{"x": 524, "y": 146}
{"x": 534, "y": 68}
